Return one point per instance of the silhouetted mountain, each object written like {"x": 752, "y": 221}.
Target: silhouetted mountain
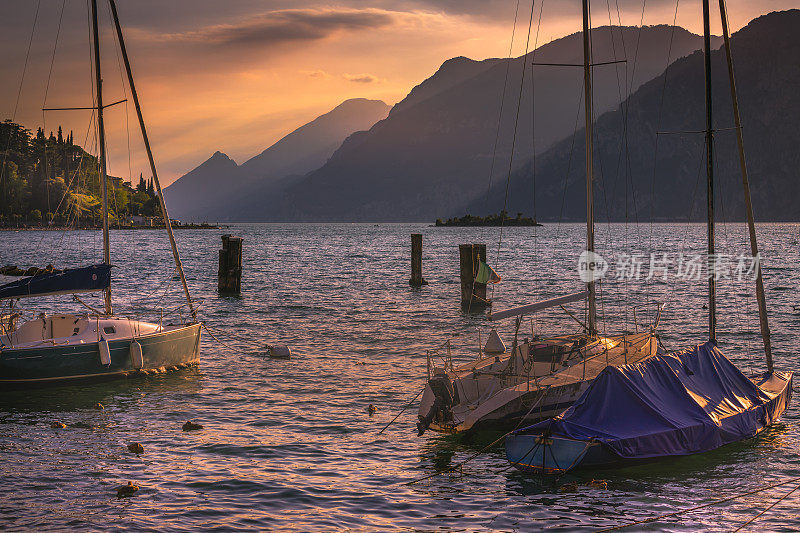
{"x": 433, "y": 154}
{"x": 214, "y": 189}
{"x": 642, "y": 184}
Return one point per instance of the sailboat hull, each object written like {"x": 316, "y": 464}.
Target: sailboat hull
{"x": 42, "y": 365}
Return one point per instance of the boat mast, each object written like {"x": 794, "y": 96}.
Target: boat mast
{"x": 712, "y": 304}
{"x": 762, "y": 302}
{"x": 587, "y": 87}
{"x": 101, "y": 141}
{"x": 146, "y": 141}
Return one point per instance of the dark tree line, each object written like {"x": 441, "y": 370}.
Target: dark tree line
{"x": 51, "y": 180}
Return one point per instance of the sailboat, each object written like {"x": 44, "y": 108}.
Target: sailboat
{"x": 537, "y": 378}
{"x": 681, "y": 403}
{"x": 66, "y": 347}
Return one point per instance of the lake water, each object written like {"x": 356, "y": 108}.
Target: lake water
{"x": 289, "y": 445}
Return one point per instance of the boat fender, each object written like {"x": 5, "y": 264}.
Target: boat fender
{"x": 137, "y": 359}
{"x": 105, "y": 351}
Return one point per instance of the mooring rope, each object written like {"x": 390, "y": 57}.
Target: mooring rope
{"x": 402, "y": 411}
{"x": 479, "y": 452}
{"x": 702, "y": 506}
{"x": 208, "y": 330}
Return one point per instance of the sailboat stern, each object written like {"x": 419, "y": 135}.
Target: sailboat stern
{"x": 436, "y": 404}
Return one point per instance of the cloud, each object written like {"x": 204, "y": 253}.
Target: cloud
{"x": 362, "y": 78}
{"x": 282, "y": 27}
{"x": 316, "y": 74}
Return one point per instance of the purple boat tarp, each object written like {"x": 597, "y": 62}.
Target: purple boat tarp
{"x": 679, "y": 403}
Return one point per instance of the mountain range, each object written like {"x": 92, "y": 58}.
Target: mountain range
{"x": 446, "y": 149}
{"x": 214, "y": 189}
{"x": 650, "y": 165}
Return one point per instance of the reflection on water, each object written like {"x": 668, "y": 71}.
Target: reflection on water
{"x": 290, "y": 445}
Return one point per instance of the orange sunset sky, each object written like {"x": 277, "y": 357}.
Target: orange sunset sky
{"x": 238, "y": 75}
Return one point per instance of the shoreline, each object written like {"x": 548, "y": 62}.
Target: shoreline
{"x": 99, "y": 228}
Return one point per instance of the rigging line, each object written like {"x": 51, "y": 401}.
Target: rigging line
{"x": 514, "y": 136}
{"x": 44, "y": 103}
{"x": 19, "y": 91}
{"x": 500, "y": 119}
{"x": 533, "y": 144}
{"x": 502, "y": 104}
{"x": 658, "y": 126}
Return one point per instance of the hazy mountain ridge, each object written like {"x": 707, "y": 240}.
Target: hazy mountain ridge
{"x": 766, "y": 53}
{"x": 430, "y": 157}
{"x": 215, "y": 188}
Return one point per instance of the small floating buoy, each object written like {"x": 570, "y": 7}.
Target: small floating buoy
{"x": 371, "y": 409}
{"x": 598, "y": 484}
{"x": 136, "y": 448}
{"x": 57, "y": 424}
{"x": 99, "y": 406}
{"x": 191, "y": 426}
{"x": 279, "y": 351}
{"x": 124, "y": 491}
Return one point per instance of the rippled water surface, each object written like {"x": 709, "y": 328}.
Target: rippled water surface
{"x": 289, "y": 445}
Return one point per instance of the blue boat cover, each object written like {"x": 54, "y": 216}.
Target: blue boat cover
{"x": 69, "y": 281}
{"x": 680, "y": 403}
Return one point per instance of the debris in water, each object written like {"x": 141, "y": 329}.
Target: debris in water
{"x": 136, "y": 448}
{"x": 57, "y": 424}
{"x": 191, "y": 426}
{"x": 124, "y": 491}
{"x": 568, "y": 488}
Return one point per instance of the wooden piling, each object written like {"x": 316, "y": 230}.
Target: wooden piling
{"x": 416, "y": 261}
{"x": 229, "y": 274}
{"x": 473, "y": 294}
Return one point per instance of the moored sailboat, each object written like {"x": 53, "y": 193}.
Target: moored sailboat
{"x": 682, "y": 403}
{"x": 97, "y": 344}
{"x": 540, "y": 377}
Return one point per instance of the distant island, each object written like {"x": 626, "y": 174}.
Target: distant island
{"x": 500, "y": 219}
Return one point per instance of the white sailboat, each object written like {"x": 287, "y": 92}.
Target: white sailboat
{"x": 537, "y": 378}
{"x": 65, "y": 347}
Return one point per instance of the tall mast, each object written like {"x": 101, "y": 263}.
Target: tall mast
{"x": 762, "y": 302}
{"x": 587, "y": 87}
{"x": 146, "y": 140}
{"x": 712, "y": 301}
{"x": 101, "y": 133}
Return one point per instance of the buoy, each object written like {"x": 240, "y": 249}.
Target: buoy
{"x": 99, "y": 406}
{"x": 57, "y": 424}
{"x": 371, "y": 409}
{"x": 279, "y": 351}
{"x": 136, "y": 448}
{"x": 191, "y": 426}
{"x": 127, "y": 490}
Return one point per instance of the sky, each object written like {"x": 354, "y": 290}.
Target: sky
{"x": 238, "y": 75}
